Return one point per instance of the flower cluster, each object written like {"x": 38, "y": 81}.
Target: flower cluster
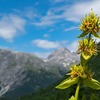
{"x": 90, "y": 24}
{"x": 80, "y": 74}
{"x": 80, "y": 71}
{"x": 87, "y": 48}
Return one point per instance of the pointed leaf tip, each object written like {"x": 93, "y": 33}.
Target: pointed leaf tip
{"x": 83, "y": 34}
{"x": 67, "y": 83}
{"x": 96, "y": 35}
{"x": 92, "y": 83}
{"x": 72, "y": 98}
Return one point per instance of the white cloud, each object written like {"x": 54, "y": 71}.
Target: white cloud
{"x": 73, "y": 46}
{"x": 76, "y": 11}
{"x": 70, "y": 28}
{"x": 46, "y": 44}
{"x": 70, "y": 12}
{"x": 10, "y": 26}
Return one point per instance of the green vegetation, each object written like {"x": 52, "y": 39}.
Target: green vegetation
{"x": 51, "y": 93}
{"x": 81, "y": 74}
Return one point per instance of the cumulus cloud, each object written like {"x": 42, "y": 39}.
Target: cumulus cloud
{"x": 45, "y": 44}
{"x": 10, "y": 26}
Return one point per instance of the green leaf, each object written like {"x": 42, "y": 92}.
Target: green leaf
{"x": 96, "y": 35}
{"x": 72, "y": 98}
{"x": 67, "y": 83}
{"x": 83, "y": 34}
{"x": 92, "y": 83}
{"x": 86, "y": 57}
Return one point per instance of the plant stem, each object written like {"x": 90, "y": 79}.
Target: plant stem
{"x": 89, "y": 37}
{"x": 77, "y": 91}
{"x": 82, "y": 60}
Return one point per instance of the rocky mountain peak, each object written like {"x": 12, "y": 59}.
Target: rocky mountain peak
{"x": 61, "y": 52}
{"x": 63, "y": 57}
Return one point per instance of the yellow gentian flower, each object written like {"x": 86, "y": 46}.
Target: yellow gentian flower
{"x": 90, "y": 24}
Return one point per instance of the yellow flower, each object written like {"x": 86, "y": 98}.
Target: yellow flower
{"x": 80, "y": 71}
{"x": 87, "y": 48}
{"x": 90, "y": 24}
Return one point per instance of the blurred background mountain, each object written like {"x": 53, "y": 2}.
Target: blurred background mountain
{"x": 24, "y": 76}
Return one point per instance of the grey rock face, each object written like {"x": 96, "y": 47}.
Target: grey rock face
{"x": 63, "y": 57}
{"x": 22, "y": 73}
{"x": 14, "y": 68}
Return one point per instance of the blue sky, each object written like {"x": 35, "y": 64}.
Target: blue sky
{"x": 41, "y": 26}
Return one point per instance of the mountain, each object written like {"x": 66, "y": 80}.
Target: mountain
{"x": 23, "y": 73}
{"x": 63, "y": 57}
{"x": 15, "y": 67}
{"x": 85, "y": 93}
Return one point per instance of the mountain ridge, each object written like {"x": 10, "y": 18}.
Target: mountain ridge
{"x": 25, "y": 71}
